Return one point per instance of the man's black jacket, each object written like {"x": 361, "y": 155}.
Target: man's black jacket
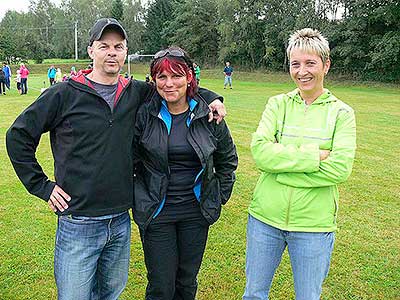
{"x": 91, "y": 145}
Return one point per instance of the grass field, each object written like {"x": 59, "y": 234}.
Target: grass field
{"x": 365, "y": 262}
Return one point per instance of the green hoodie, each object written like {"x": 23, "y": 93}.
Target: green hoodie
{"x": 296, "y": 191}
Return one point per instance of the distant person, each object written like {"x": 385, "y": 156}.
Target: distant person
{"x": 24, "y": 72}
{"x": 58, "y": 76}
{"x": 147, "y": 78}
{"x": 184, "y": 172}
{"x": 65, "y": 77}
{"x": 7, "y": 74}
{"x": 304, "y": 147}
{"x": 73, "y": 72}
{"x": 18, "y": 81}
{"x": 197, "y": 72}
{"x": 51, "y": 74}
{"x": 2, "y": 82}
{"x": 228, "y": 70}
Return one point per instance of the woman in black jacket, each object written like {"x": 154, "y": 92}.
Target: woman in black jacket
{"x": 183, "y": 174}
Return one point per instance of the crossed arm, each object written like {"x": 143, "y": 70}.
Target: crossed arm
{"x": 305, "y": 165}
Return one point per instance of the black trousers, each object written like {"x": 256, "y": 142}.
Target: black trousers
{"x": 174, "y": 245}
{"x": 2, "y": 86}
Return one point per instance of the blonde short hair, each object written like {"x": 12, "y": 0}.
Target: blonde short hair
{"x": 311, "y": 41}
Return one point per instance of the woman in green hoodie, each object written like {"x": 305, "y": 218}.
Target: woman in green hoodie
{"x": 304, "y": 146}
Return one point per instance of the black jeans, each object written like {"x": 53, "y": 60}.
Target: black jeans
{"x": 174, "y": 245}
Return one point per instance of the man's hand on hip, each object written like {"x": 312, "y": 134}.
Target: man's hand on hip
{"x": 58, "y": 199}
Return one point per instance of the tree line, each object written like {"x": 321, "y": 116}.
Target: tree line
{"x": 364, "y": 34}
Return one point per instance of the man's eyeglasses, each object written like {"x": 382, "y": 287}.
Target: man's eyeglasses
{"x": 172, "y": 52}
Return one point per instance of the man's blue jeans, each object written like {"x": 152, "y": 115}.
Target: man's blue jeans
{"x": 228, "y": 80}
{"x": 91, "y": 257}
{"x": 309, "y": 252}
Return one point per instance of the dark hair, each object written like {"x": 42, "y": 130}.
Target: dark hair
{"x": 181, "y": 65}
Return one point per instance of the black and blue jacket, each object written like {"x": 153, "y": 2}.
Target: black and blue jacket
{"x": 212, "y": 143}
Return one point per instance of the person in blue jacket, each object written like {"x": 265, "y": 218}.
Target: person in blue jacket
{"x": 51, "y": 74}
{"x": 184, "y": 172}
{"x": 228, "y": 70}
{"x": 7, "y": 75}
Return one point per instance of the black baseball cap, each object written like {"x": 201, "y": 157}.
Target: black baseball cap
{"x": 101, "y": 24}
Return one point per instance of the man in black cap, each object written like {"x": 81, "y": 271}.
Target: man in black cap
{"x": 90, "y": 119}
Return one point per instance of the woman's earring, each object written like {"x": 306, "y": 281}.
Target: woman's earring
{"x": 188, "y": 84}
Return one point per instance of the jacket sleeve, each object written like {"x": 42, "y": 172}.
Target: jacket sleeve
{"x": 209, "y": 96}
{"x": 138, "y": 130}
{"x": 23, "y": 137}
{"x": 273, "y": 157}
{"x": 337, "y": 167}
{"x": 225, "y": 161}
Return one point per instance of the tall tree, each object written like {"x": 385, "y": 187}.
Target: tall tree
{"x": 133, "y": 22}
{"x": 194, "y": 28}
{"x": 15, "y": 27}
{"x": 43, "y": 22}
{"x": 366, "y": 42}
{"x": 86, "y": 13}
{"x": 158, "y": 15}
{"x": 117, "y": 10}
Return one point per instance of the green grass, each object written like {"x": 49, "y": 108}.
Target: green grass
{"x": 365, "y": 262}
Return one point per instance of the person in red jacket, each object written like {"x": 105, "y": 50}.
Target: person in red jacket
{"x": 24, "y": 72}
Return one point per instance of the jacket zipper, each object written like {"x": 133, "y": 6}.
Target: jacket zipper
{"x": 104, "y": 102}
{"x": 306, "y": 107}
{"x": 168, "y": 174}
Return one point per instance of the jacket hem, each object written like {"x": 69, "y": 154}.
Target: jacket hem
{"x": 292, "y": 228}
{"x": 97, "y": 213}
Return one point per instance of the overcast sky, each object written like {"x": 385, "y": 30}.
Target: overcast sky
{"x": 18, "y": 5}
{"x": 23, "y": 5}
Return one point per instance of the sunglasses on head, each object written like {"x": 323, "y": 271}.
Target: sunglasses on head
{"x": 172, "y": 52}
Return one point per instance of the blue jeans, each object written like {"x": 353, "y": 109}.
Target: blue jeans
{"x": 309, "y": 252}
{"x": 228, "y": 80}
{"x": 24, "y": 85}
{"x": 91, "y": 257}
{"x": 7, "y": 82}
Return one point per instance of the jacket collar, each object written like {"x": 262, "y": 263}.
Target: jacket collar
{"x": 197, "y": 106}
{"x": 326, "y": 97}
{"x": 82, "y": 79}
